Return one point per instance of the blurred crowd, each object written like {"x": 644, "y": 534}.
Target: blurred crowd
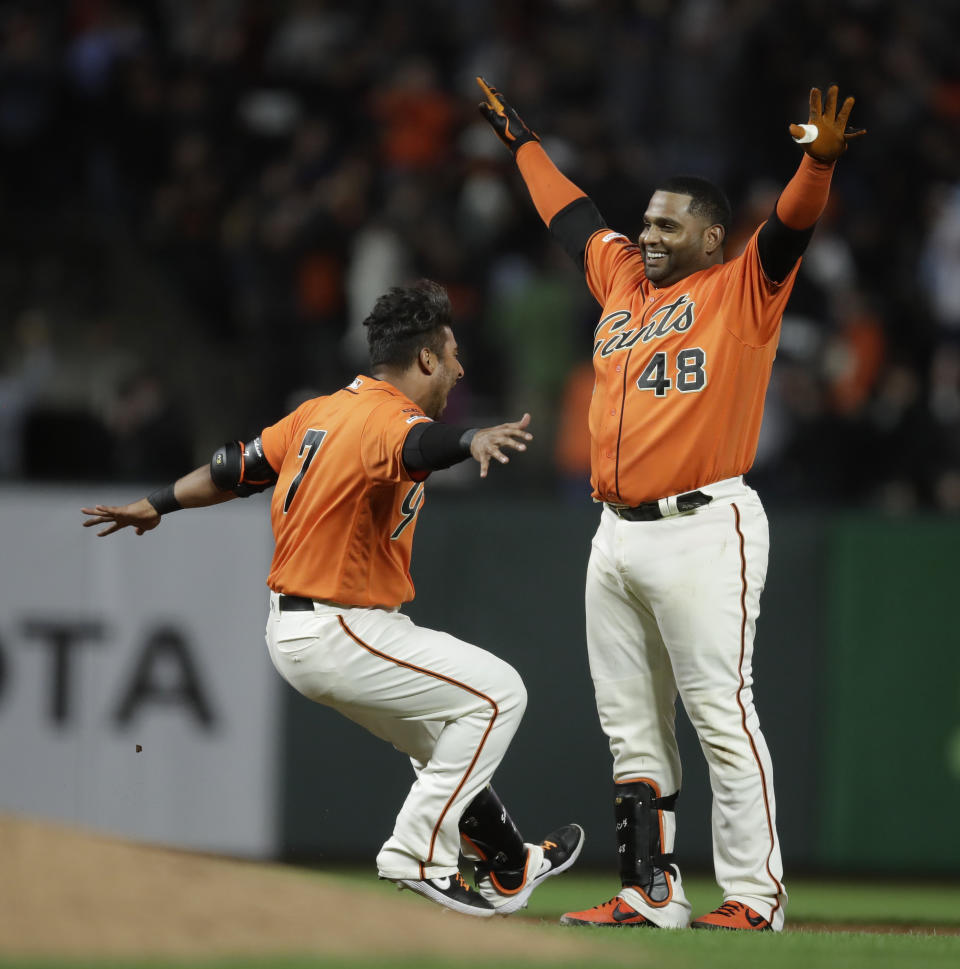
{"x": 201, "y": 200}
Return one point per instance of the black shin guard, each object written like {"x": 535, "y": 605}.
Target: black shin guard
{"x": 643, "y": 863}
{"x": 490, "y": 831}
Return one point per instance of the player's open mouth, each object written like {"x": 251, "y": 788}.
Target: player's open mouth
{"x": 654, "y": 256}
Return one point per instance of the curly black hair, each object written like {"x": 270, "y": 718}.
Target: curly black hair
{"x": 405, "y": 320}
{"x": 706, "y": 199}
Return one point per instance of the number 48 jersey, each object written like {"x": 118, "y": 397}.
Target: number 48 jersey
{"x": 344, "y": 507}
{"x": 681, "y": 371}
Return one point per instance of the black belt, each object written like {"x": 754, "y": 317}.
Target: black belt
{"x": 295, "y": 604}
{"x": 650, "y": 511}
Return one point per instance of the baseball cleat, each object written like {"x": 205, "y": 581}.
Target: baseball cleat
{"x": 614, "y": 913}
{"x": 509, "y": 889}
{"x": 450, "y": 891}
{"x": 732, "y": 915}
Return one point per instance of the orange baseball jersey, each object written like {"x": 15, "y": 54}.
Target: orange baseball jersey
{"x": 344, "y": 507}
{"x": 681, "y": 371}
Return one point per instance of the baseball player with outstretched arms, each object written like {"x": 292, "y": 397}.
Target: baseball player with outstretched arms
{"x": 682, "y": 357}
{"x": 348, "y": 472}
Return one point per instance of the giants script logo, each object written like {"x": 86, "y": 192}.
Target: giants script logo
{"x": 610, "y": 335}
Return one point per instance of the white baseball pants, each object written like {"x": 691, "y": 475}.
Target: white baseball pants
{"x": 671, "y": 608}
{"x": 451, "y": 707}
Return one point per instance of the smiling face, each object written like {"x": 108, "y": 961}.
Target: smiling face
{"x": 446, "y": 373}
{"x": 676, "y": 243}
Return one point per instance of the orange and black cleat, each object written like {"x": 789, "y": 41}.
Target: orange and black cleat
{"x": 733, "y": 915}
{"x": 614, "y": 913}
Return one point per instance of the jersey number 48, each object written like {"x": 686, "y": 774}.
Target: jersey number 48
{"x": 690, "y": 373}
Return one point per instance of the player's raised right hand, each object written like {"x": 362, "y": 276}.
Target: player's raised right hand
{"x": 140, "y": 515}
{"x": 504, "y": 120}
{"x": 488, "y": 442}
{"x": 826, "y": 134}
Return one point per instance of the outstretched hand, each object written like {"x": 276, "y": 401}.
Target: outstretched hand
{"x": 504, "y": 120}
{"x": 140, "y": 515}
{"x": 488, "y": 441}
{"x": 825, "y": 135}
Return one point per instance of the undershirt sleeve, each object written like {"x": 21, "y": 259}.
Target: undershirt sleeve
{"x": 805, "y": 196}
{"x": 573, "y": 226}
{"x": 550, "y": 190}
{"x": 779, "y": 247}
{"x": 433, "y": 446}
{"x": 787, "y": 233}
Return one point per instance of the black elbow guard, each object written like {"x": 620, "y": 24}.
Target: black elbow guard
{"x": 226, "y": 466}
{"x": 241, "y": 469}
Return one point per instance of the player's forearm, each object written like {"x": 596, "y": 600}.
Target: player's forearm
{"x": 805, "y": 197}
{"x": 568, "y": 212}
{"x": 786, "y": 234}
{"x": 193, "y": 490}
{"x": 550, "y": 190}
{"x": 197, "y": 490}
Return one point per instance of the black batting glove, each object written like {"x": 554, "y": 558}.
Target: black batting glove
{"x": 503, "y": 119}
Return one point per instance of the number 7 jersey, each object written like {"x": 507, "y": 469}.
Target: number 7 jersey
{"x": 344, "y": 507}
{"x": 681, "y": 371}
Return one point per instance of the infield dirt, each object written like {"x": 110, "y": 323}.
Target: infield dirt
{"x": 67, "y": 892}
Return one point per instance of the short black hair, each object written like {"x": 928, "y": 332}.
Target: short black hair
{"x": 405, "y": 320}
{"x": 707, "y": 201}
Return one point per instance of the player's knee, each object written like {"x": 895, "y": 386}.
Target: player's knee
{"x": 513, "y": 693}
{"x": 521, "y": 695}
{"x": 711, "y": 709}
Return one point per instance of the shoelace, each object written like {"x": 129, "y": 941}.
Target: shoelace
{"x": 547, "y": 845}
{"x": 458, "y": 878}
{"x": 613, "y": 901}
{"x": 729, "y": 909}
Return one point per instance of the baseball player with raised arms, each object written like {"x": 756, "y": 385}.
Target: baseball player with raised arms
{"x": 348, "y": 472}
{"x": 682, "y": 357}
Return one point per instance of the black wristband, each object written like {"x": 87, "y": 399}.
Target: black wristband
{"x": 164, "y": 500}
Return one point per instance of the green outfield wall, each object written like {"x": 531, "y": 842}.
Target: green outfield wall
{"x": 890, "y": 741}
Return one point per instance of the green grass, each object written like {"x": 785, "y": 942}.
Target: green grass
{"x": 812, "y": 900}
{"x": 925, "y": 907}
{"x": 839, "y": 901}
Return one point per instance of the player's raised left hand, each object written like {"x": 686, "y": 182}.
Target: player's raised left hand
{"x": 140, "y": 515}
{"x": 826, "y": 134}
{"x": 504, "y": 120}
{"x": 488, "y": 442}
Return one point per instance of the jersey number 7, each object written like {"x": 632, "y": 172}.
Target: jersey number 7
{"x": 311, "y": 444}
